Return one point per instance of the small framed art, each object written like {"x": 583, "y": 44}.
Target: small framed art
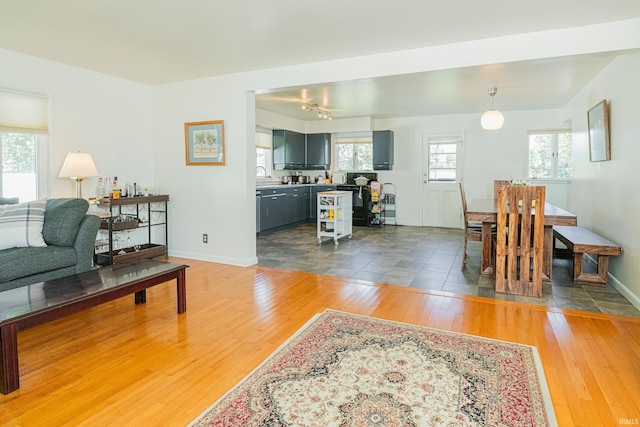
{"x": 598, "y": 120}
{"x": 204, "y": 143}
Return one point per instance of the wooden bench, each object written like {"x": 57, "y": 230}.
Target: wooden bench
{"x": 581, "y": 241}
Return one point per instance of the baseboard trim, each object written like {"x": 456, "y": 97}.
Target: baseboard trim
{"x": 246, "y": 262}
{"x": 620, "y": 287}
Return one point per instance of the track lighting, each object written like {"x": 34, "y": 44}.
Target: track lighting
{"x": 322, "y": 114}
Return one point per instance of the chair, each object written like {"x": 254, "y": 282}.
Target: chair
{"x": 520, "y": 240}
{"x": 497, "y": 183}
{"x": 472, "y": 231}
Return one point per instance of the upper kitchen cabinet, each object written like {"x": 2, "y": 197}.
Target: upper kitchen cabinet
{"x": 288, "y": 150}
{"x": 382, "y": 150}
{"x": 318, "y": 151}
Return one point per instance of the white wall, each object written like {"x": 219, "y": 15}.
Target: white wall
{"x": 605, "y": 195}
{"x": 487, "y": 155}
{"x": 216, "y": 200}
{"x": 108, "y": 117}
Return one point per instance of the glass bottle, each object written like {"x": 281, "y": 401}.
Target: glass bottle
{"x": 100, "y": 190}
{"x": 115, "y": 192}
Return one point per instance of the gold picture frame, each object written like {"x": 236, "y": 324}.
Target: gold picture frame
{"x": 598, "y": 121}
{"x": 204, "y": 143}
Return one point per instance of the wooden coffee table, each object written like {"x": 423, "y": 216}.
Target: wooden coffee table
{"x": 36, "y": 304}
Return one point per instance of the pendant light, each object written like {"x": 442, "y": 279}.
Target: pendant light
{"x": 492, "y": 119}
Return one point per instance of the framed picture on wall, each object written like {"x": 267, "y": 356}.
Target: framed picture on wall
{"x": 598, "y": 120}
{"x": 204, "y": 143}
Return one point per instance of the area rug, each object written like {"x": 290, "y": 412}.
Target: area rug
{"x": 342, "y": 369}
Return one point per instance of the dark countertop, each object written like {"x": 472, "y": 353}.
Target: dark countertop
{"x": 261, "y": 187}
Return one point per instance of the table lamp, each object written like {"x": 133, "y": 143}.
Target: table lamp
{"x": 78, "y": 166}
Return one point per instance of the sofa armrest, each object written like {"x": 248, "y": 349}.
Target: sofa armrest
{"x": 84, "y": 244}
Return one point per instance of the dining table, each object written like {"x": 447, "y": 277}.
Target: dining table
{"x": 486, "y": 212}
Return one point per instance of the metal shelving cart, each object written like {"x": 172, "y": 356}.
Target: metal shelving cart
{"x": 389, "y": 210}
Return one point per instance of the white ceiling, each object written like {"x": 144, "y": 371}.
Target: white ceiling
{"x": 162, "y": 41}
{"x": 520, "y": 86}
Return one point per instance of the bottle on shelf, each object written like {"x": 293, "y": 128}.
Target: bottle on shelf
{"x": 100, "y": 190}
{"x": 115, "y": 191}
{"x": 128, "y": 190}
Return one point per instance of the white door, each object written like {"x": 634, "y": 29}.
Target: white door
{"x": 441, "y": 166}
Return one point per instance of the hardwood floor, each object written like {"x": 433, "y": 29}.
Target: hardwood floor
{"x": 127, "y": 365}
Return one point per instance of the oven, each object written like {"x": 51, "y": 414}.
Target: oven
{"x": 361, "y": 200}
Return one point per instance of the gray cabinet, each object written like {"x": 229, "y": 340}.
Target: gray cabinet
{"x": 293, "y": 150}
{"x": 318, "y": 154}
{"x": 298, "y": 204}
{"x": 282, "y": 206}
{"x": 382, "y": 150}
{"x": 288, "y": 150}
{"x": 273, "y": 212}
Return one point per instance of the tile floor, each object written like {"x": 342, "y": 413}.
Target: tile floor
{"x": 421, "y": 257}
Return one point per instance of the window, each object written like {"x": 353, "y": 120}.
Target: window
{"x": 264, "y": 159}
{"x": 354, "y": 151}
{"x": 23, "y": 145}
{"x": 550, "y": 154}
{"x": 443, "y": 158}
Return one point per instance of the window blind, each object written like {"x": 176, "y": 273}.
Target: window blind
{"x": 23, "y": 112}
{"x": 354, "y": 138}
{"x": 264, "y": 138}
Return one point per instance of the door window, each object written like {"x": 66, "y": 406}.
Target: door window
{"x": 443, "y": 159}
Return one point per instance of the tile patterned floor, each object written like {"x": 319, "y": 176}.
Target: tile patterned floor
{"x": 422, "y": 257}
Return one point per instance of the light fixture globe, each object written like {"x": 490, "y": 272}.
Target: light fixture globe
{"x": 492, "y": 119}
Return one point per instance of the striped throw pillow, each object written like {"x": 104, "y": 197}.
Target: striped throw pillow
{"x": 21, "y": 224}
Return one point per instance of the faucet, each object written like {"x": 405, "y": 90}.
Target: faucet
{"x": 263, "y": 168}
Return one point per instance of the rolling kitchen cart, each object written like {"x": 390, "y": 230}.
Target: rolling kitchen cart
{"x": 334, "y": 214}
{"x": 389, "y": 210}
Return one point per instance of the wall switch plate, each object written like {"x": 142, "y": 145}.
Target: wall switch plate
{"x": 205, "y": 238}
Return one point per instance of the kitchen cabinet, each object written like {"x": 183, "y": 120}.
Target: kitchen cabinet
{"x": 300, "y": 204}
{"x": 382, "y": 150}
{"x": 135, "y": 227}
{"x": 289, "y": 150}
{"x": 283, "y": 205}
{"x": 334, "y": 215}
{"x": 273, "y": 209}
{"x": 258, "y": 194}
{"x": 318, "y": 153}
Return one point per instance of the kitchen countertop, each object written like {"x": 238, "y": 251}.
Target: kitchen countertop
{"x": 259, "y": 187}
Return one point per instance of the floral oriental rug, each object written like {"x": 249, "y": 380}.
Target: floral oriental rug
{"x": 342, "y": 369}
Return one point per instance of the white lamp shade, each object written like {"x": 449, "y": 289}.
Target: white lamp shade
{"x": 492, "y": 120}
{"x": 78, "y": 165}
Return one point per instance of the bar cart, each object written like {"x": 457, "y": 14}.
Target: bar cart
{"x": 143, "y": 219}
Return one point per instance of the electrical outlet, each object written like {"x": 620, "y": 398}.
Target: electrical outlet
{"x": 205, "y": 238}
